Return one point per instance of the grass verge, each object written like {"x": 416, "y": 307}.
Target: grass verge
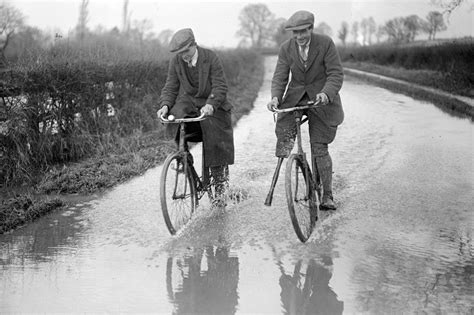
{"x": 427, "y": 78}
{"x": 21, "y": 209}
{"x": 435, "y": 79}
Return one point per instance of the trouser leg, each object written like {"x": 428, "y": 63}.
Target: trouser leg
{"x": 220, "y": 174}
{"x": 285, "y": 131}
{"x": 324, "y": 169}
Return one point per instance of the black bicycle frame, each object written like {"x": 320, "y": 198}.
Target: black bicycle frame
{"x": 203, "y": 184}
{"x": 301, "y": 154}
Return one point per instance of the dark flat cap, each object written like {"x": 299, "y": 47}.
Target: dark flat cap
{"x": 181, "y": 40}
{"x": 299, "y": 21}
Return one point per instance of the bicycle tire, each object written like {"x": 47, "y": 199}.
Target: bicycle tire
{"x": 301, "y": 197}
{"x": 177, "y": 193}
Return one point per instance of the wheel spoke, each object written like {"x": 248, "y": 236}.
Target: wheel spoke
{"x": 177, "y": 193}
{"x": 301, "y": 199}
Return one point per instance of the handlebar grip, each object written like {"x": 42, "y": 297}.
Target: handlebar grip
{"x": 180, "y": 120}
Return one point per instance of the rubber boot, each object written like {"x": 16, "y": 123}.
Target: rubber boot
{"x": 220, "y": 174}
{"x": 324, "y": 165}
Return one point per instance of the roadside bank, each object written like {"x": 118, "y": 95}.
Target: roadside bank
{"x": 457, "y": 105}
{"x": 138, "y": 153}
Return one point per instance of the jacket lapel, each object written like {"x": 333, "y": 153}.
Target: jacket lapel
{"x": 182, "y": 74}
{"x": 313, "y": 52}
{"x": 204, "y": 66}
{"x": 296, "y": 54}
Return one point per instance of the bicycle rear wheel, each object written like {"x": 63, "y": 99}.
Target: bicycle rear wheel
{"x": 301, "y": 198}
{"x": 177, "y": 192}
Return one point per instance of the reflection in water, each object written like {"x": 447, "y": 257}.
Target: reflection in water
{"x": 43, "y": 239}
{"x": 307, "y": 291}
{"x": 444, "y": 287}
{"x": 204, "y": 281}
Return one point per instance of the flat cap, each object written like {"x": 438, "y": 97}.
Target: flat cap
{"x": 181, "y": 40}
{"x": 299, "y": 21}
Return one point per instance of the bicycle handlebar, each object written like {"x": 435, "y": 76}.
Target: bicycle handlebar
{"x": 310, "y": 104}
{"x": 183, "y": 120}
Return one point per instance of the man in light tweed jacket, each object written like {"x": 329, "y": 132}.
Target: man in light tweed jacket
{"x": 316, "y": 75}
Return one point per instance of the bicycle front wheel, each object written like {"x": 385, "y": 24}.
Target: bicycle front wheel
{"x": 177, "y": 192}
{"x": 301, "y": 198}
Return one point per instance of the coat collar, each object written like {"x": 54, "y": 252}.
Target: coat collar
{"x": 204, "y": 66}
{"x": 313, "y": 51}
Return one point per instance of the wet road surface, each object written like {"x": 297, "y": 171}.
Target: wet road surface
{"x": 400, "y": 241}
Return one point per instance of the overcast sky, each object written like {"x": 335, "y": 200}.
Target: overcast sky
{"x": 215, "y": 23}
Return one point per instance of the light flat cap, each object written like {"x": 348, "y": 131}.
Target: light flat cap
{"x": 181, "y": 40}
{"x": 299, "y": 21}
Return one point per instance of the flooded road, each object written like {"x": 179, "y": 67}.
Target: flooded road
{"x": 400, "y": 241}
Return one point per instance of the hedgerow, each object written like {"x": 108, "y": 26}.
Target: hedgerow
{"x": 70, "y": 105}
{"x": 451, "y": 63}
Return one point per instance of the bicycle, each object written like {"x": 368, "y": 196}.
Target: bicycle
{"x": 181, "y": 188}
{"x": 300, "y": 182}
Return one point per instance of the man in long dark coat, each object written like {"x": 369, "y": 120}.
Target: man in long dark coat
{"x": 316, "y": 75}
{"x": 196, "y": 84}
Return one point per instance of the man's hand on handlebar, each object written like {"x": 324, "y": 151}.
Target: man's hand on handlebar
{"x": 162, "y": 111}
{"x": 273, "y": 104}
{"x": 207, "y": 110}
{"x": 322, "y": 98}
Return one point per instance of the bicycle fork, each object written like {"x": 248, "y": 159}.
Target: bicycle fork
{"x": 268, "y": 200}
{"x": 303, "y": 160}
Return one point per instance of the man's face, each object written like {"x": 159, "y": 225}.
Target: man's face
{"x": 302, "y": 36}
{"x": 188, "y": 54}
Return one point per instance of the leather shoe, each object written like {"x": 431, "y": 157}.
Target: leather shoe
{"x": 327, "y": 203}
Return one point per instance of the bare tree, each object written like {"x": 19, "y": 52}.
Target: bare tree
{"x": 364, "y": 27}
{"x": 81, "y": 27}
{"x": 27, "y": 42}
{"x": 435, "y": 24}
{"x": 413, "y": 26}
{"x": 396, "y": 30}
{"x": 355, "y": 32}
{"x": 342, "y": 33}
{"x": 125, "y": 17}
{"x": 323, "y": 28}
{"x": 380, "y": 32}
{"x": 11, "y": 21}
{"x": 280, "y": 35}
{"x": 140, "y": 29}
{"x": 165, "y": 36}
{"x": 449, "y": 5}
{"x": 371, "y": 29}
{"x": 255, "y": 24}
